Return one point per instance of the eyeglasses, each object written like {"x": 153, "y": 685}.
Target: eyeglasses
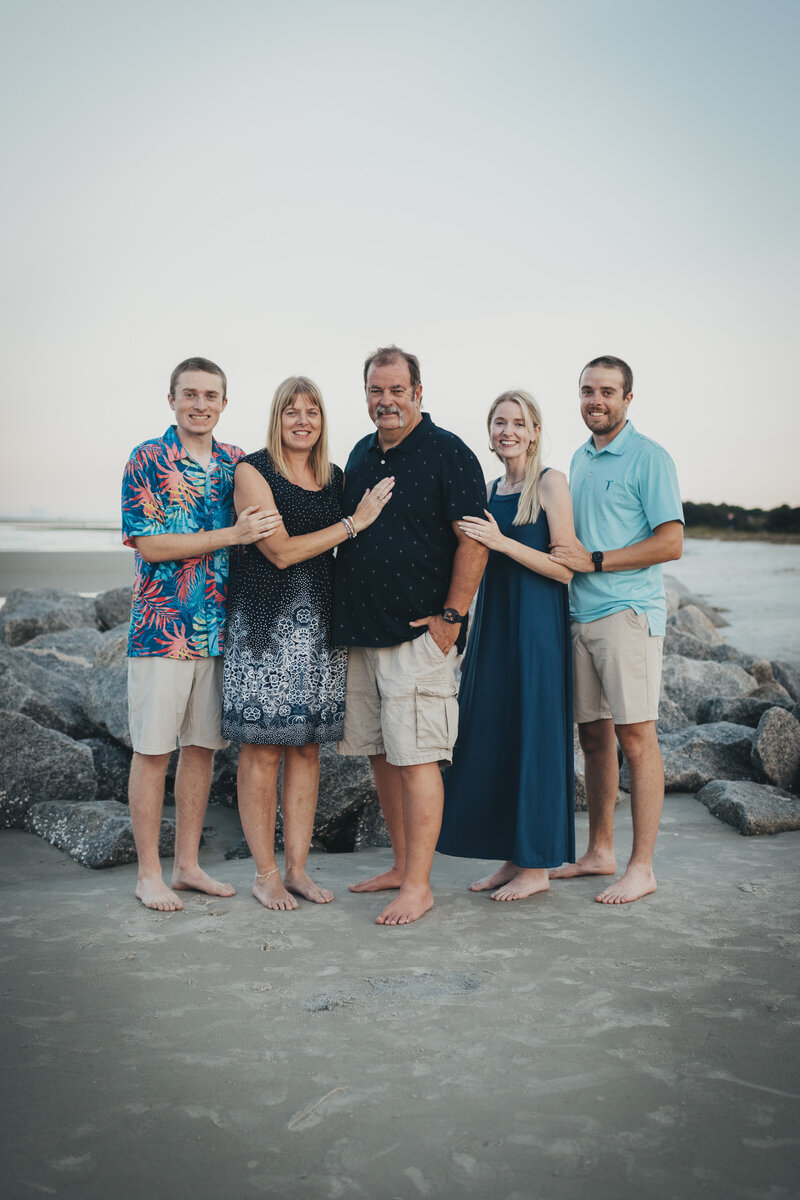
{"x": 396, "y": 393}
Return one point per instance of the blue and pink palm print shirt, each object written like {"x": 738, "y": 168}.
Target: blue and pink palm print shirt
{"x": 178, "y": 608}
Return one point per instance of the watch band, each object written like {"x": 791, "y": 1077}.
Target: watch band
{"x": 597, "y": 559}
{"x": 453, "y": 616}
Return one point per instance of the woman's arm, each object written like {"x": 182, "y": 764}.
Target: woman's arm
{"x": 250, "y": 487}
{"x": 556, "y": 502}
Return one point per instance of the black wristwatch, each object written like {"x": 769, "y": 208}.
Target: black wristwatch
{"x": 453, "y": 617}
{"x": 597, "y": 559}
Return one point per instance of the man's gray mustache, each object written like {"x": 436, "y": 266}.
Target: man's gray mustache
{"x": 383, "y": 409}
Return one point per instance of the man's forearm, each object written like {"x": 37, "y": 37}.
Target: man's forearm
{"x": 664, "y": 545}
{"x": 172, "y": 547}
{"x": 469, "y": 563}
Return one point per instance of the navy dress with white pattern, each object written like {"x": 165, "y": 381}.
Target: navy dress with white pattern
{"x": 284, "y": 681}
{"x": 509, "y": 792}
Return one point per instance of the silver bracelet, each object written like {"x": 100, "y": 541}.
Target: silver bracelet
{"x": 351, "y": 526}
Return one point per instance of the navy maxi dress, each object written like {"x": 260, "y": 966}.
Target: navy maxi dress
{"x": 509, "y": 792}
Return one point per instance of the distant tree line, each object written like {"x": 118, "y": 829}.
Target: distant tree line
{"x": 732, "y": 516}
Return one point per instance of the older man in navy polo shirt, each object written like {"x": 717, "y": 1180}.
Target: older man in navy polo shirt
{"x": 403, "y": 590}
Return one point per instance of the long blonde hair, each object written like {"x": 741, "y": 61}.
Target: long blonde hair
{"x": 299, "y": 385}
{"x": 529, "y": 505}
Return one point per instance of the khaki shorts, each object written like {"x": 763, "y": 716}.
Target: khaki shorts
{"x": 401, "y": 702}
{"x": 175, "y": 700}
{"x": 616, "y": 669}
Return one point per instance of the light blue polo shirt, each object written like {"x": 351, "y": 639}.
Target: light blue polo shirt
{"x": 619, "y": 495}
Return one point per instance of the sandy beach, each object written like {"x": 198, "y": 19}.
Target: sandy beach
{"x": 543, "y": 1049}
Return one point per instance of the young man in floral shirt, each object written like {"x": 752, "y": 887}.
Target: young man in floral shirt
{"x": 177, "y": 514}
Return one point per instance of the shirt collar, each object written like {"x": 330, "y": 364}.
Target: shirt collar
{"x": 616, "y": 446}
{"x": 171, "y": 438}
{"x": 410, "y": 442}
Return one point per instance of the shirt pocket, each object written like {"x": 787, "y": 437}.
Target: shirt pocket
{"x": 436, "y": 715}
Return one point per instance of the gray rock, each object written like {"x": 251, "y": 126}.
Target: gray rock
{"x": 97, "y": 834}
{"x": 687, "y": 681}
{"x": 776, "y": 748}
{"x": 788, "y": 676}
{"x": 107, "y": 693}
{"x": 759, "y": 668}
{"x": 346, "y": 785}
{"x": 775, "y": 693}
{"x": 112, "y": 766}
{"x": 691, "y": 619}
{"x": 672, "y": 596}
{"x": 709, "y": 610}
{"x": 113, "y": 607}
{"x": 678, "y": 641}
{"x": 694, "y": 756}
{"x": 744, "y": 710}
{"x": 38, "y": 764}
{"x": 678, "y": 589}
{"x": 670, "y": 716}
{"x": 371, "y": 827}
{"x": 752, "y": 808}
{"x": 28, "y": 612}
{"x": 54, "y": 669}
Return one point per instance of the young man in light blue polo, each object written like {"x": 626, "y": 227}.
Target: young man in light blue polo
{"x": 628, "y": 520}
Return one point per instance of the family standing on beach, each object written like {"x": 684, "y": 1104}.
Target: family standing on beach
{"x": 347, "y": 610}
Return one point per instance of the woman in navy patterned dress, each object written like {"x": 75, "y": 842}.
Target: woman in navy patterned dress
{"x": 284, "y": 682}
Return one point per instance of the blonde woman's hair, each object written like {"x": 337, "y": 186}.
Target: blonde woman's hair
{"x": 529, "y": 505}
{"x": 285, "y": 393}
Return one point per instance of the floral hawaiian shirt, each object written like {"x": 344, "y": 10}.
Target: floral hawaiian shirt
{"x": 178, "y": 608}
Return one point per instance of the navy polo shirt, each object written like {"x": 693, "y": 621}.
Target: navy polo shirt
{"x": 400, "y": 568}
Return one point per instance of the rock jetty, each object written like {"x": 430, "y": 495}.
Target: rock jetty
{"x": 729, "y": 731}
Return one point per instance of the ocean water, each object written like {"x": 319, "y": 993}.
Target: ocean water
{"x": 43, "y": 539}
{"x": 756, "y": 584}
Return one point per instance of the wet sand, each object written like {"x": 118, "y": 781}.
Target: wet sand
{"x": 78, "y": 571}
{"x": 547, "y": 1049}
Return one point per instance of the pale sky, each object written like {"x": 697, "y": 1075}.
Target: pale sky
{"x": 505, "y": 189}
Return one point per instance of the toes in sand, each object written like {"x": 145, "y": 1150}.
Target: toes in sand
{"x": 499, "y": 877}
{"x": 155, "y": 894}
{"x": 269, "y": 891}
{"x": 525, "y": 883}
{"x": 300, "y": 884}
{"x": 410, "y": 905}
{"x": 589, "y": 864}
{"x": 196, "y": 880}
{"x": 635, "y": 883}
{"x": 379, "y": 883}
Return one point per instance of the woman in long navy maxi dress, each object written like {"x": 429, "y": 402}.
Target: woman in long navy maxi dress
{"x": 509, "y": 792}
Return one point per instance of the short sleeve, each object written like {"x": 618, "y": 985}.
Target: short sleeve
{"x": 659, "y": 491}
{"x": 464, "y": 485}
{"x": 142, "y": 507}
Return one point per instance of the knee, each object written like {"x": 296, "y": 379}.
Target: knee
{"x": 597, "y": 738}
{"x": 307, "y": 753}
{"x": 639, "y": 742}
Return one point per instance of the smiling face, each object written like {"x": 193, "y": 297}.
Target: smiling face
{"x": 301, "y": 424}
{"x": 604, "y": 405}
{"x": 392, "y": 403}
{"x": 510, "y": 437}
{"x": 197, "y": 401}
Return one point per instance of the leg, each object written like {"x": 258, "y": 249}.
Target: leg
{"x": 423, "y": 802}
{"x": 146, "y": 800}
{"x": 599, "y": 746}
{"x": 299, "y": 804}
{"x": 389, "y": 786}
{"x": 640, "y": 746}
{"x": 257, "y": 789}
{"x": 192, "y": 786}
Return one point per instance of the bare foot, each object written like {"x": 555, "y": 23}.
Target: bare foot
{"x": 635, "y": 883}
{"x": 526, "y": 882}
{"x": 195, "y": 880}
{"x": 154, "y": 893}
{"x": 379, "y": 883}
{"x": 270, "y": 892}
{"x": 501, "y": 875}
{"x": 410, "y": 905}
{"x": 300, "y": 883}
{"x": 589, "y": 864}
